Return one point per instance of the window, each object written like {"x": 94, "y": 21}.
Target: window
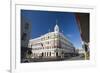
{"x": 47, "y": 42}
{"x": 27, "y": 26}
{"x": 50, "y": 53}
{"x": 23, "y": 36}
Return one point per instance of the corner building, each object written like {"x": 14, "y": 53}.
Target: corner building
{"x": 51, "y": 45}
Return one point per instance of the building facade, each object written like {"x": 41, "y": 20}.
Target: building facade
{"x": 51, "y": 45}
{"x": 25, "y": 31}
{"x": 25, "y": 36}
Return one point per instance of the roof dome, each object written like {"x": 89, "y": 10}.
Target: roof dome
{"x": 56, "y": 28}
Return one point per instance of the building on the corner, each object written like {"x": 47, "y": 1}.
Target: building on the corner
{"x": 51, "y": 45}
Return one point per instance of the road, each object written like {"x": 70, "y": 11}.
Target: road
{"x": 79, "y": 57}
{"x": 76, "y": 58}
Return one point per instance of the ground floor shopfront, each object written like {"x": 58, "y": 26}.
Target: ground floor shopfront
{"x": 50, "y": 53}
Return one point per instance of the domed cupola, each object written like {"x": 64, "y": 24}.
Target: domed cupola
{"x": 56, "y": 28}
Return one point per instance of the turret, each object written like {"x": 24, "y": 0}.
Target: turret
{"x": 56, "y": 28}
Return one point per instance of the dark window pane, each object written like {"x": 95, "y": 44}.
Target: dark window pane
{"x": 24, "y": 36}
{"x": 26, "y": 26}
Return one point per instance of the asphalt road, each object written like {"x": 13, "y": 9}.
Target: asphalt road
{"x": 79, "y": 57}
{"x": 76, "y": 58}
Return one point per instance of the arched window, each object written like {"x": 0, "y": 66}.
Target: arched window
{"x": 42, "y": 54}
{"x": 50, "y": 53}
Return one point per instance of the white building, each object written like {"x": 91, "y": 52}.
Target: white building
{"x": 81, "y": 51}
{"x": 51, "y": 45}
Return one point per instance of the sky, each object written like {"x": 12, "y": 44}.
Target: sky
{"x": 44, "y": 21}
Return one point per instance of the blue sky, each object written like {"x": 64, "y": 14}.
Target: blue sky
{"x": 44, "y": 21}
